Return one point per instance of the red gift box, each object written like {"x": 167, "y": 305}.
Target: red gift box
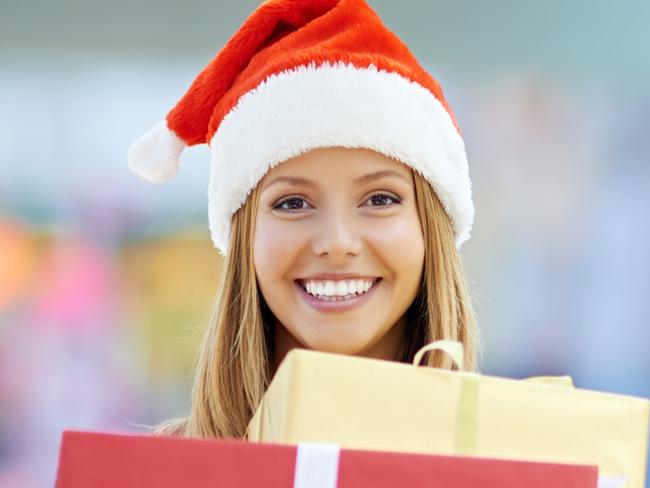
{"x": 106, "y": 459}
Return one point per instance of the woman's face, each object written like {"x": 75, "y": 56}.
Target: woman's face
{"x": 338, "y": 251}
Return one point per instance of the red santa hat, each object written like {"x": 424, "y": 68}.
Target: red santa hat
{"x": 305, "y": 74}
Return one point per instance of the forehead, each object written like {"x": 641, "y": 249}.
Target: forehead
{"x": 340, "y": 163}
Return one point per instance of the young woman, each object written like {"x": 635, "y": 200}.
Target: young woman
{"x": 339, "y": 195}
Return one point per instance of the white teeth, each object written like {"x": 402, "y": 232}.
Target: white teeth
{"x": 330, "y": 288}
{"x": 340, "y": 288}
{"x": 352, "y": 286}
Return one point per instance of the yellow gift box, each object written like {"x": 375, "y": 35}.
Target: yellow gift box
{"x": 364, "y": 403}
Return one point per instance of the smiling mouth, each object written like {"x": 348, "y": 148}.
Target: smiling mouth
{"x": 337, "y": 291}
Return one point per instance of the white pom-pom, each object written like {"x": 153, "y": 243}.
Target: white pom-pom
{"x": 155, "y": 155}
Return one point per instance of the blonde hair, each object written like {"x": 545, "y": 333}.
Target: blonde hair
{"x": 233, "y": 368}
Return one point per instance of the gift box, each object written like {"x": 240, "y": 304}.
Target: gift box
{"x": 107, "y": 459}
{"x": 364, "y": 403}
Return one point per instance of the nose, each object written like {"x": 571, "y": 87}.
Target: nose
{"x": 337, "y": 235}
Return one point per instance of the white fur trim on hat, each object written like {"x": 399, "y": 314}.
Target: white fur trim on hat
{"x": 155, "y": 155}
{"x": 328, "y": 105}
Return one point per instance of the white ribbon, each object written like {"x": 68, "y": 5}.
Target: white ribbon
{"x": 612, "y": 482}
{"x": 317, "y": 465}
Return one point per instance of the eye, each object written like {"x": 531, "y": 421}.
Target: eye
{"x": 383, "y": 200}
{"x": 292, "y": 204}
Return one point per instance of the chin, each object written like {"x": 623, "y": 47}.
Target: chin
{"x": 339, "y": 345}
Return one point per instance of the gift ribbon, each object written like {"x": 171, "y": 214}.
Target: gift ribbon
{"x": 317, "y": 465}
{"x": 466, "y": 412}
{"x": 453, "y": 348}
{"x": 612, "y": 482}
{"x": 465, "y": 441}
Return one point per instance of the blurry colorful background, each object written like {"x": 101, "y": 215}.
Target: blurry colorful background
{"x": 106, "y": 282}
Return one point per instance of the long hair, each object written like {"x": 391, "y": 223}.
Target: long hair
{"x": 233, "y": 368}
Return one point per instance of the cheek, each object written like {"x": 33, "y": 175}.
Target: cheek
{"x": 400, "y": 245}
{"x": 275, "y": 249}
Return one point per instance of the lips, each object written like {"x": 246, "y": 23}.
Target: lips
{"x": 338, "y": 276}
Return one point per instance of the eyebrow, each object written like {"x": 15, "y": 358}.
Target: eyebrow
{"x": 362, "y": 180}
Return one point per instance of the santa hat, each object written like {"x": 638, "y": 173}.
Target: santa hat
{"x": 306, "y": 74}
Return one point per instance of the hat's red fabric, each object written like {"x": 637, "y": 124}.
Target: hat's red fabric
{"x": 281, "y": 35}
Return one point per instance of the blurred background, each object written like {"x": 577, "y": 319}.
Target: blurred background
{"x": 106, "y": 282}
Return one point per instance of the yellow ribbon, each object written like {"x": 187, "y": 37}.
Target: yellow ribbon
{"x": 453, "y": 348}
{"x": 564, "y": 381}
{"x": 467, "y": 409}
{"x": 465, "y": 441}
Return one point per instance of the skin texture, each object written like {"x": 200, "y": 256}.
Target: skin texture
{"x": 337, "y": 225}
